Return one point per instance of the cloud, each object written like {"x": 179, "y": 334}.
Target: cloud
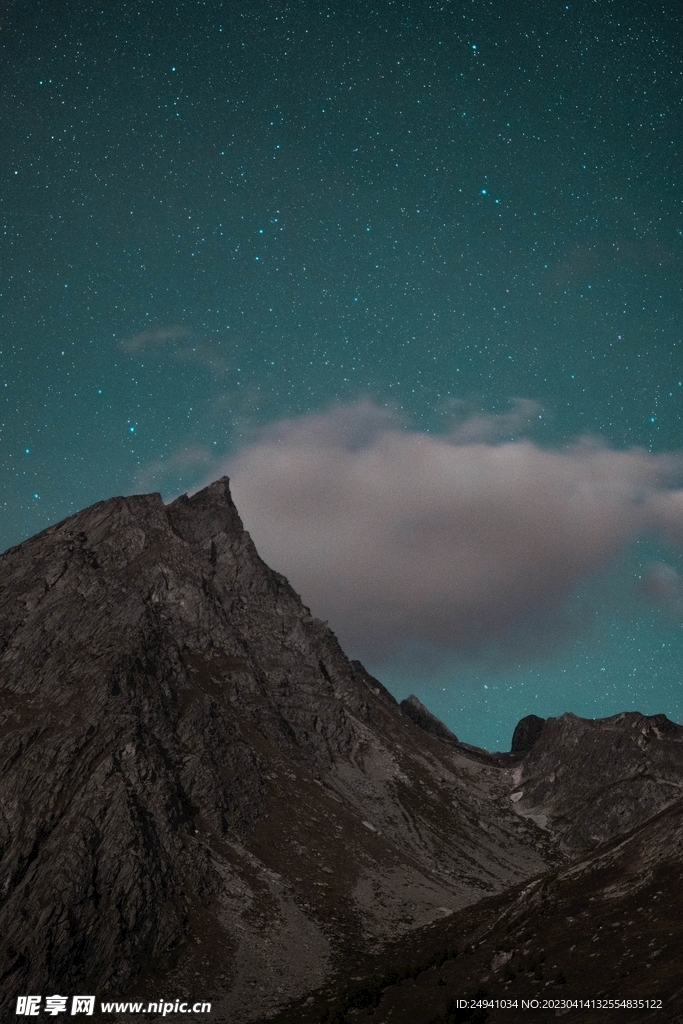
{"x": 153, "y": 337}
{"x": 598, "y": 261}
{"x": 167, "y": 340}
{"x": 401, "y": 538}
{"x": 666, "y": 511}
{"x": 203, "y": 355}
{"x": 491, "y": 427}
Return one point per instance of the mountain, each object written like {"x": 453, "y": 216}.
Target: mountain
{"x": 598, "y": 938}
{"x": 587, "y": 781}
{"x": 607, "y": 925}
{"x": 203, "y": 798}
{"x": 199, "y": 793}
{"x": 422, "y": 716}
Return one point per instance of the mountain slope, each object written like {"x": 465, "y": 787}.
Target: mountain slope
{"x": 587, "y": 781}
{"x": 607, "y": 928}
{"x": 199, "y": 793}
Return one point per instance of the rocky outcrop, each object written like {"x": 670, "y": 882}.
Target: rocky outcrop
{"x": 589, "y": 780}
{"x": 423, "y": 717}
{"x": 199, "y": 793}
{"x": 526, "y": 733}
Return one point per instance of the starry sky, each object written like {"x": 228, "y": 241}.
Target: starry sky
{"x": 217, "y": 218}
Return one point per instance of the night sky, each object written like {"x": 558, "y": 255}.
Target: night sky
{"x": 466, "y": 217}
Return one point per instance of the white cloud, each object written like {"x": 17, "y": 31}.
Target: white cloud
{"x": 400, "y": 537}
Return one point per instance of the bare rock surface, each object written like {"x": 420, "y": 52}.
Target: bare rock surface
{"x": 587, "y": 781}
{"x": 422, "y": 716}
{"x": 200, "y": 794}
{"x": 526, "y": 733}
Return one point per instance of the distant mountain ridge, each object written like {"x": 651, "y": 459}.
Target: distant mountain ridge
{"x": 588, "y": 781}
{"x": 201, "y": 794}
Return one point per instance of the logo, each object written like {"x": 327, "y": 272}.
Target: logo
{"x": 29, "y": 1006}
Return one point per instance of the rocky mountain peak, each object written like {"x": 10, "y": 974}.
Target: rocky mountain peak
{"x": 198, "y": 789}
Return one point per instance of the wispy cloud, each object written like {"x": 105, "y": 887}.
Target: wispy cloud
{"x": 188, "y": 459}
{"x": 662, "y": 586}
{"x": 203, "y": 354}
{"x": 177, "y": 343}
{"x": 491, "y": 427}
{"x": 153, "y": 338}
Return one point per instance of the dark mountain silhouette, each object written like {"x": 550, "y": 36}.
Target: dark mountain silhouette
{"x": 201, "y": 796}
{"x": 526, "y": 733}
{"x": 587, "y": 781}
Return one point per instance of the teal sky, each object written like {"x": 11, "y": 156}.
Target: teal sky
{"x": 215, "y": 216}
{"x": 627, "y": 657}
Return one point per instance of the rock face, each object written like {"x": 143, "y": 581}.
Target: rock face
{"x": 199, "y": 793}
{"x": 423, "y": 717}
{"x": 526, "y": 733}
{"x": 587, "y": 781}
{"x": 608, "y": 923}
